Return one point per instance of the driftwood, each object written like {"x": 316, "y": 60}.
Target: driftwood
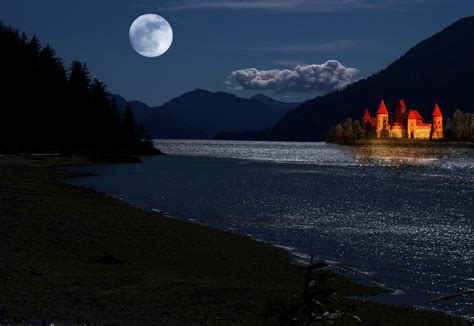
{"x": 450, "y": 296}
{"x": 318, "y": 303}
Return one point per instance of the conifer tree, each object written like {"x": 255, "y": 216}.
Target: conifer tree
{"x": 357, "y": 129}
{"x": 145, "y": 135}
{"x": 128, "y": 121}
{"x": 348, "y": 130}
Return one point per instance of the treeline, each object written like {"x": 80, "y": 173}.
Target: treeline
{"x": 46, "y": 107}
{"x": 348, "y": 131}
{"x": 459, "y": 127}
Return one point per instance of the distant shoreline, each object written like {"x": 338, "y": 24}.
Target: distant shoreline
{"x": 405, "y": 143}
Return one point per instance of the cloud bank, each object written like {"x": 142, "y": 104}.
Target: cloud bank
{"x": 320, "y": 78}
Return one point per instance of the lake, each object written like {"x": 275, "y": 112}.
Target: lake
{"x": 401, "y": 218}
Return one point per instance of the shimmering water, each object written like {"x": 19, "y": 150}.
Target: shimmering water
{"x": 398, "y": 217}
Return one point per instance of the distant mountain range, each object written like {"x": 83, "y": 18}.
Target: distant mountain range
{"x": 439, "y": 69}
{"x": 158, "y": 123}
{"x": 202, "y": 114}
{"x": 274, "y": 104}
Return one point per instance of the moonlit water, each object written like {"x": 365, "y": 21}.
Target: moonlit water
{"x": 397, "y": 217}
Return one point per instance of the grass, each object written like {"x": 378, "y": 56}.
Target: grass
{"x": 72, "y": 254}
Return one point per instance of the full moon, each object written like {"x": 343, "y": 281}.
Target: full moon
{"x": 150, "y": 35}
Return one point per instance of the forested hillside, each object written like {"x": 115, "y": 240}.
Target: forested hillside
{"x": 45, "y": 106}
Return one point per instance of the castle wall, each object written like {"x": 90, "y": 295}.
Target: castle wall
{"x": 423, "y": 133}
{"x": 397, "y": 132}
{"x": 383, "y": 127}
{"x": 411, "y": 128}
{"x": 437, "y": 135}
{"x": 437, "y": 128}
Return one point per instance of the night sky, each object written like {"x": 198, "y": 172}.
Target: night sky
{"x": 333, "y": 41}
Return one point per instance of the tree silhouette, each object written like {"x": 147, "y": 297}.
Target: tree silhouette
{"x": 45, "y": 107}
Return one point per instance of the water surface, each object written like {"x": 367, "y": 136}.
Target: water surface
{"x": 397, "y": 217}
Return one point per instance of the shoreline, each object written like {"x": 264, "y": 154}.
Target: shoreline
{"x": 282, "y": 280}
{"x": 423, "y": 143}
{"x": 301, "y": 259}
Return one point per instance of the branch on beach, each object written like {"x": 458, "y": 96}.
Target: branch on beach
{"x": 451, "y": 296}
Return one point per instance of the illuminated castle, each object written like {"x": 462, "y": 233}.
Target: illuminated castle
{"x": 405, "y": 125}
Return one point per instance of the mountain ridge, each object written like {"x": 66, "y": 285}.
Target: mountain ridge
{"x": 203, "y": 114}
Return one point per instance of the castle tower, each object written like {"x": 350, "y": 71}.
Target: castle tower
{"x": 437, "y": 123}
{"x": 383, "y": 127}
{"x": 366, "y": 118}
{"x": 401, "y": 111}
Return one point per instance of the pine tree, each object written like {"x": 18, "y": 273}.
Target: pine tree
{"x": 79, "y": 80}
{"x": 34, "y": 47}
{"x": 145, "y": 135}
{"x": 348, "y": 130}
{"x": 338, "y": 132}
{"x": 129, "y": 127}
{"x": 458, "y": 125}
{"x": 357, "y": 129}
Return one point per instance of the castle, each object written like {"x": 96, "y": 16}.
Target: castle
{"x": 405, "y": 125}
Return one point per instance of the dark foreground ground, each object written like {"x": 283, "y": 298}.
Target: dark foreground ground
{"x": 72, "y": 254}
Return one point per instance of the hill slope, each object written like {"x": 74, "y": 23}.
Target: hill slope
{"x": 159, "y": 124}
{"x": 220, "y": 111}
{"x": 275, "y": 104}
{"x": 438, "y": 69}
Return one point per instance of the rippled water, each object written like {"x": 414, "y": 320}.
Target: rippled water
{"x": 398, "y": 217}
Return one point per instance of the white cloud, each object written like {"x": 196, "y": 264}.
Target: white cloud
{"x": 319, "y": 78}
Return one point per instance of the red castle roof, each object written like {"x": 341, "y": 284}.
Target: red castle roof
{"x": 436, "y": 111}
{"x": 401, "y": 104}
{"x": 373, "y": 122}
{"x": 366, "y": 116}
{"x": 382, "y": 108}
{"x": 413, "y": 114}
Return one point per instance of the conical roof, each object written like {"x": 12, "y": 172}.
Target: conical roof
{"x": 414, "y": 114}
{"x": 401, "y": 104}
{"x": 436, "y": 111}
{"x": 366, "y": 116}
{"x": 382, "y": 108}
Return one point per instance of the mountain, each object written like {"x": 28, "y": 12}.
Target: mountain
{"x": 218, "y": 112}
{"x": 274, "y": 104}
{"x": 165, "y": 126}
{"x": 159, "y": 124}
{"x": 201, "y": 114}
{"x": 439, "y": 69}
{"x": 140, "y": 109}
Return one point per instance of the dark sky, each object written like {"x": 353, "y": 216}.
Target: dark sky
{"x": 213, "y": 38}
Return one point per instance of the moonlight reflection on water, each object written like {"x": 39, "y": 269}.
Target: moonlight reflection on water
{"x": 398, "y": 217}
